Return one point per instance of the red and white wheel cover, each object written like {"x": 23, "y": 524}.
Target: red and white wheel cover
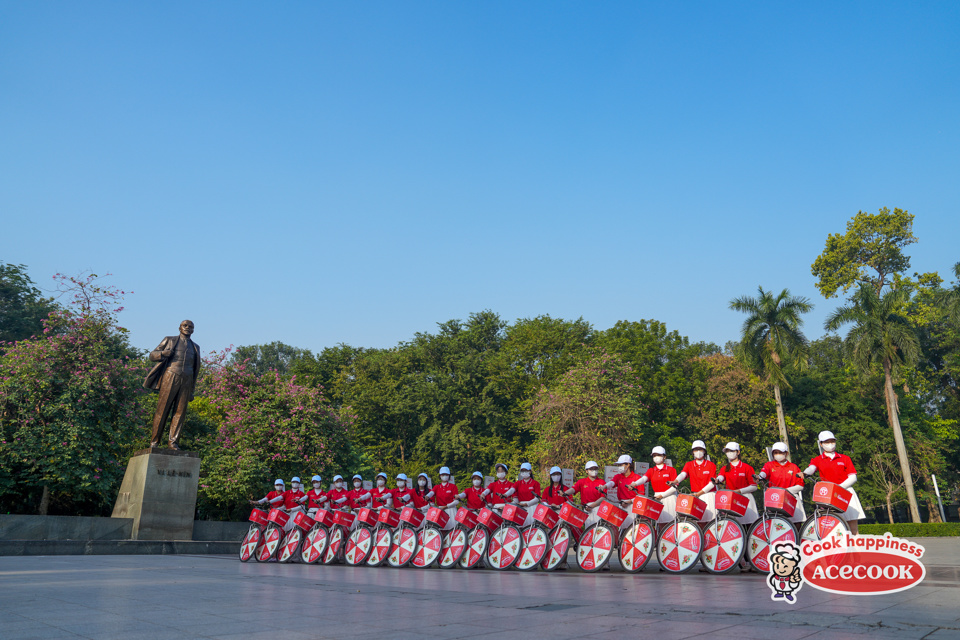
{"x": 271, "y": 541}
{"x": 505, "y": 545}
{"x": 333, "y": 545}
{"x": 830, "y": 526}
{"x": 249, "y": 544}
{"x": 679, "y": 546}
{"x": 357, "y": 545}
{"x": 560, "y": 539}
{"x": 453, "y": 547}
{"x": 535, "y": 541}
{"x": 429, "y": 545}
{"x": 290, "y": 544}
{"x": 765, "y": 534}
{"x": 382, "y": 541}
{"x": 404, "y": 546}
{"x": 476, "y": 547}
{"x": 595, "y": 548}
{"x": 314, "y": 545}
{"x": 637, "y": 545}
{"x": 723, "y": 545}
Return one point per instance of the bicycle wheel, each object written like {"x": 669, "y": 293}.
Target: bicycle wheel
{"x": 535, "y": 542}
{"x": 453, "y": 548}
{"x": 429, "y": 545}
{"x": 291, "y": 545}
{"x": 477, "y": 543}
{"x": 637, "y": 546}
{"x": 679, "y": 546}
{"x": 829, "y": 526}
{"x": 504, "y": 548}
{"x": 382, "y": 546}
{"x": 271, "y": 542}
{"x": 765, "y": 533}
{"x": 723, "y": 546}
{"x": 250, "y": 542}
{"x": 595, "y": 547}
{"x": 358, "y": 546}
{"x": 334, "y": 552}
{"x": 559, "y": 544}
{"x": 314, "y": 545}
{"x": 404, "y": 546}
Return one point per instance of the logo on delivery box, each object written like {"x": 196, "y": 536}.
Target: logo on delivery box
{"x": 857, "y": 565}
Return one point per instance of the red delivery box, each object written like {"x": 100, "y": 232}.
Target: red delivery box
{"x": 489, "y": 518}
{"x": 545, "y": 516}
{"x": 389, "y": 517}
{"x": 466, "y": 517}
{"x": 832, "y": 495}
{"x": 573, "y": 516}
{"x": 735, "y": 503}
{"x": 324, "y": 517}
{"x": 778, "y": 499}
{"x": 344, "y": 519}
{"x": 690, "y": 505}
{"x": 259, "y": 516}
{"x": 608, "y": 512}
{"x": 368, "y": 517}
{"x": 437, "y": 516}
{"x": 303, "y": 521}
{"x": 647, "y": 507}
{"x": 411, "y": 516}
{"x": 514, "y": 514}
{"x": 278, "y": 517}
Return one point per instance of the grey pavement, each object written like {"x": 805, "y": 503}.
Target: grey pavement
{"x": 167, "y": 597}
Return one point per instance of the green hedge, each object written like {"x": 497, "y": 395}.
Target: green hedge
{"x": 911, "y": 530}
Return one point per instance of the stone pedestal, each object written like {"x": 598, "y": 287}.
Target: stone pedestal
{"x": 159, "y": 492}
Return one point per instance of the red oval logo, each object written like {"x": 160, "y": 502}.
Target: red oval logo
{"x": 860, "y": 572}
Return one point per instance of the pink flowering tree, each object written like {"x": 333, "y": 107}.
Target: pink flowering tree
{"x": 69, "y": 406}
{"x": 265, "y": 427}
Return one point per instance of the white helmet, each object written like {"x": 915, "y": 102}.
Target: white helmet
{"x": 732, "y": 446}
{"x": 698, "y": 444}
{"x": 526, "y": 467}
{"x": 624, "y": 459}
{"x": 477, "y": 474}
{"x": 779, "y": 446}
{"x": 357, "y": 477}
{"x": 444, "y": 471}
{"x": 401, "y": 476}
{"x": 295, "y": 479}
{"x": 316, "y": 479}
{"x": 591, "y": 465}
{"x": 423, "y": 475}
{"x": 658, "y": 451}
{"x": 826, "y": 435}
{"x": 337, "y": 477}
{"x": 279, "y": 481}
{"x": 554, "y": 470}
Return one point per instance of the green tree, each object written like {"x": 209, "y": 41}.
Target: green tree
{"x": 771, "y": 338}
{"x": 872, "y": 242}
{"x": 275, "y": 356}
{"x": 882, "y": 336}
{"x": 22, "y": 307}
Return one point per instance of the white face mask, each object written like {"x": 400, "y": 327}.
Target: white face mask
{"x": 422, "y": 483}
{"x": 316, "y": 485}
{"x": 401, "y": 484}
{"x": 278, "y": 487}
{"x": 657, "y": 459}
{"x": 357, "y": 484}
{"x": 592, "y": 473}
{"x": 524, "y": 475}
{"x": 555, "y": 478}
{"x": 477, "y": 482}
{"x": 625, "y": 469}
{"x": 381, "y": 482}
{"x": 501, "y": 475}
{"x": 779, "y": 457}
{"x": 698, "y": 454}
{"x": 829, "y": 447}
{"x": 732, "y": 455}
{"x": 338, "y": 484}
{"x": 295, "y": 485}
{"x": 444, "y": 478}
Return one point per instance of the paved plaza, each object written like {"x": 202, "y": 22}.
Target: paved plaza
{"x": 140, "y": 597}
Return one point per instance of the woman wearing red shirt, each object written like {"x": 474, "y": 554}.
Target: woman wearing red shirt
{"x": 701, "y": 473}
{"x": 660, "y": 476}
{"x": 274, "y": 499}
{"x": 473, "y": 495}
{"x": 315, "y": 497}
{"x": 339, "y": 497}
{"x": 402, "y": 496}
{"x": 528, "y": 492}
{"x": 555, "y": 494}
{"x": 445, "y": 497}
{"x": 785, "y": 475}
{"x": 838, "y": 468}
{"x": 380, "y": 496}
{"x": 626, "y": 483}
{"x": 423, "y": 493}
{"x": 592, "y": 490}
{"x": 737, "y": 476}
{"x": 499, "y": 491}
{"x": 360, "y": 498}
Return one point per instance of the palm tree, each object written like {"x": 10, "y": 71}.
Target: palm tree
{"x": 771, "y": 337}
{"x": 882, "y": 335}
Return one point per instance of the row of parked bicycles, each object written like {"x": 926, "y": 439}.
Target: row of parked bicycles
{"x": 499, "y": 540}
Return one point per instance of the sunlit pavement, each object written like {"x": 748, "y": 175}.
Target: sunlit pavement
{"x": 130, "y": 597}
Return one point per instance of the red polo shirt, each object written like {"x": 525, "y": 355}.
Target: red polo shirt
{"x": 658, "y": 477}
{"x": 335, "y": 495}
{"x": 833, "y": 470}
{"x": 739, "y": 477}
{"x": 555, "y": 495}
{"x": 700, "y": 472}
{"x": 291, "y": 498}
{"x": 398, "y": 501}
{"x": 527, "y": 490}
{"x": 355, "y": 498}
{"x": 501, "y": 487}
{"x": 588, "y": 489}
{"x": 625, "y": 492}
{"x": 420, "y": 499}
{"x": 445, "y": 493}
{"x": 312, "y": 496}
{"x": 474, "y": 501}
{"x": 782, "y": 475}
{"x": 379, "y": 496}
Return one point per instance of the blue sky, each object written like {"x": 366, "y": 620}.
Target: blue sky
{"x": 320, "y": 173}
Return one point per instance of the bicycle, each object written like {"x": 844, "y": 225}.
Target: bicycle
{"x": 273, "y": 535}
{"x": 506, "y": 542}
{"x": 315, "y": 542}
{"x": 405, "y": 537}
{"x": 569, "y": 529}
{"x": 641, "y": 537}
{"x": 536, "y": 538}
{"x": 723, "y": 538}
{"x": 387, "y": 522}
{"x": 359, "y": 543}
{"x": 342, "y": 521}
{"x": 254, "y": 536}
{"x": 487, "y": 520}
{"x": 681, "y": 543}
{"x": 597, "y": 543}
{"x": 290, "y": 548}
{"x": 430, "y": 538}
{"x": 773, "y": 527}
{"x": 830, "y": 503}
{"x": 457, "y": 539}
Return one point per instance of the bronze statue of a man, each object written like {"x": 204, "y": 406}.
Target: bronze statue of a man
{"x": 175, "y": 377}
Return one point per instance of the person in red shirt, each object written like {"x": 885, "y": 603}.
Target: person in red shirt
{"x": 661, "y": 476}
{"x": 294, "y": 497}
{"x": 274, "y": 499}
{"x": 316, "y": 496}
{"x": 423, "y": 493}
{"x": 555, "y": 495}
{"x": 380, "y": 496}
{"x": 528, "y": 492}
{"x": 499, "y": 492}
{"x": 701, "y": 473}
{"x": 837, "y": 468}
{"x": 360, "y": 498}
{"x": 785, "y": 475}
{"x": 626, "y": 483}
{"x": 737, "y": 476}
{"x": 402, "y": 496}
{"x": 592, "y": 490}
{"x": 473, "y": 495}
{"x": 339, "y": 497}
{"x": 445, "y": 496}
